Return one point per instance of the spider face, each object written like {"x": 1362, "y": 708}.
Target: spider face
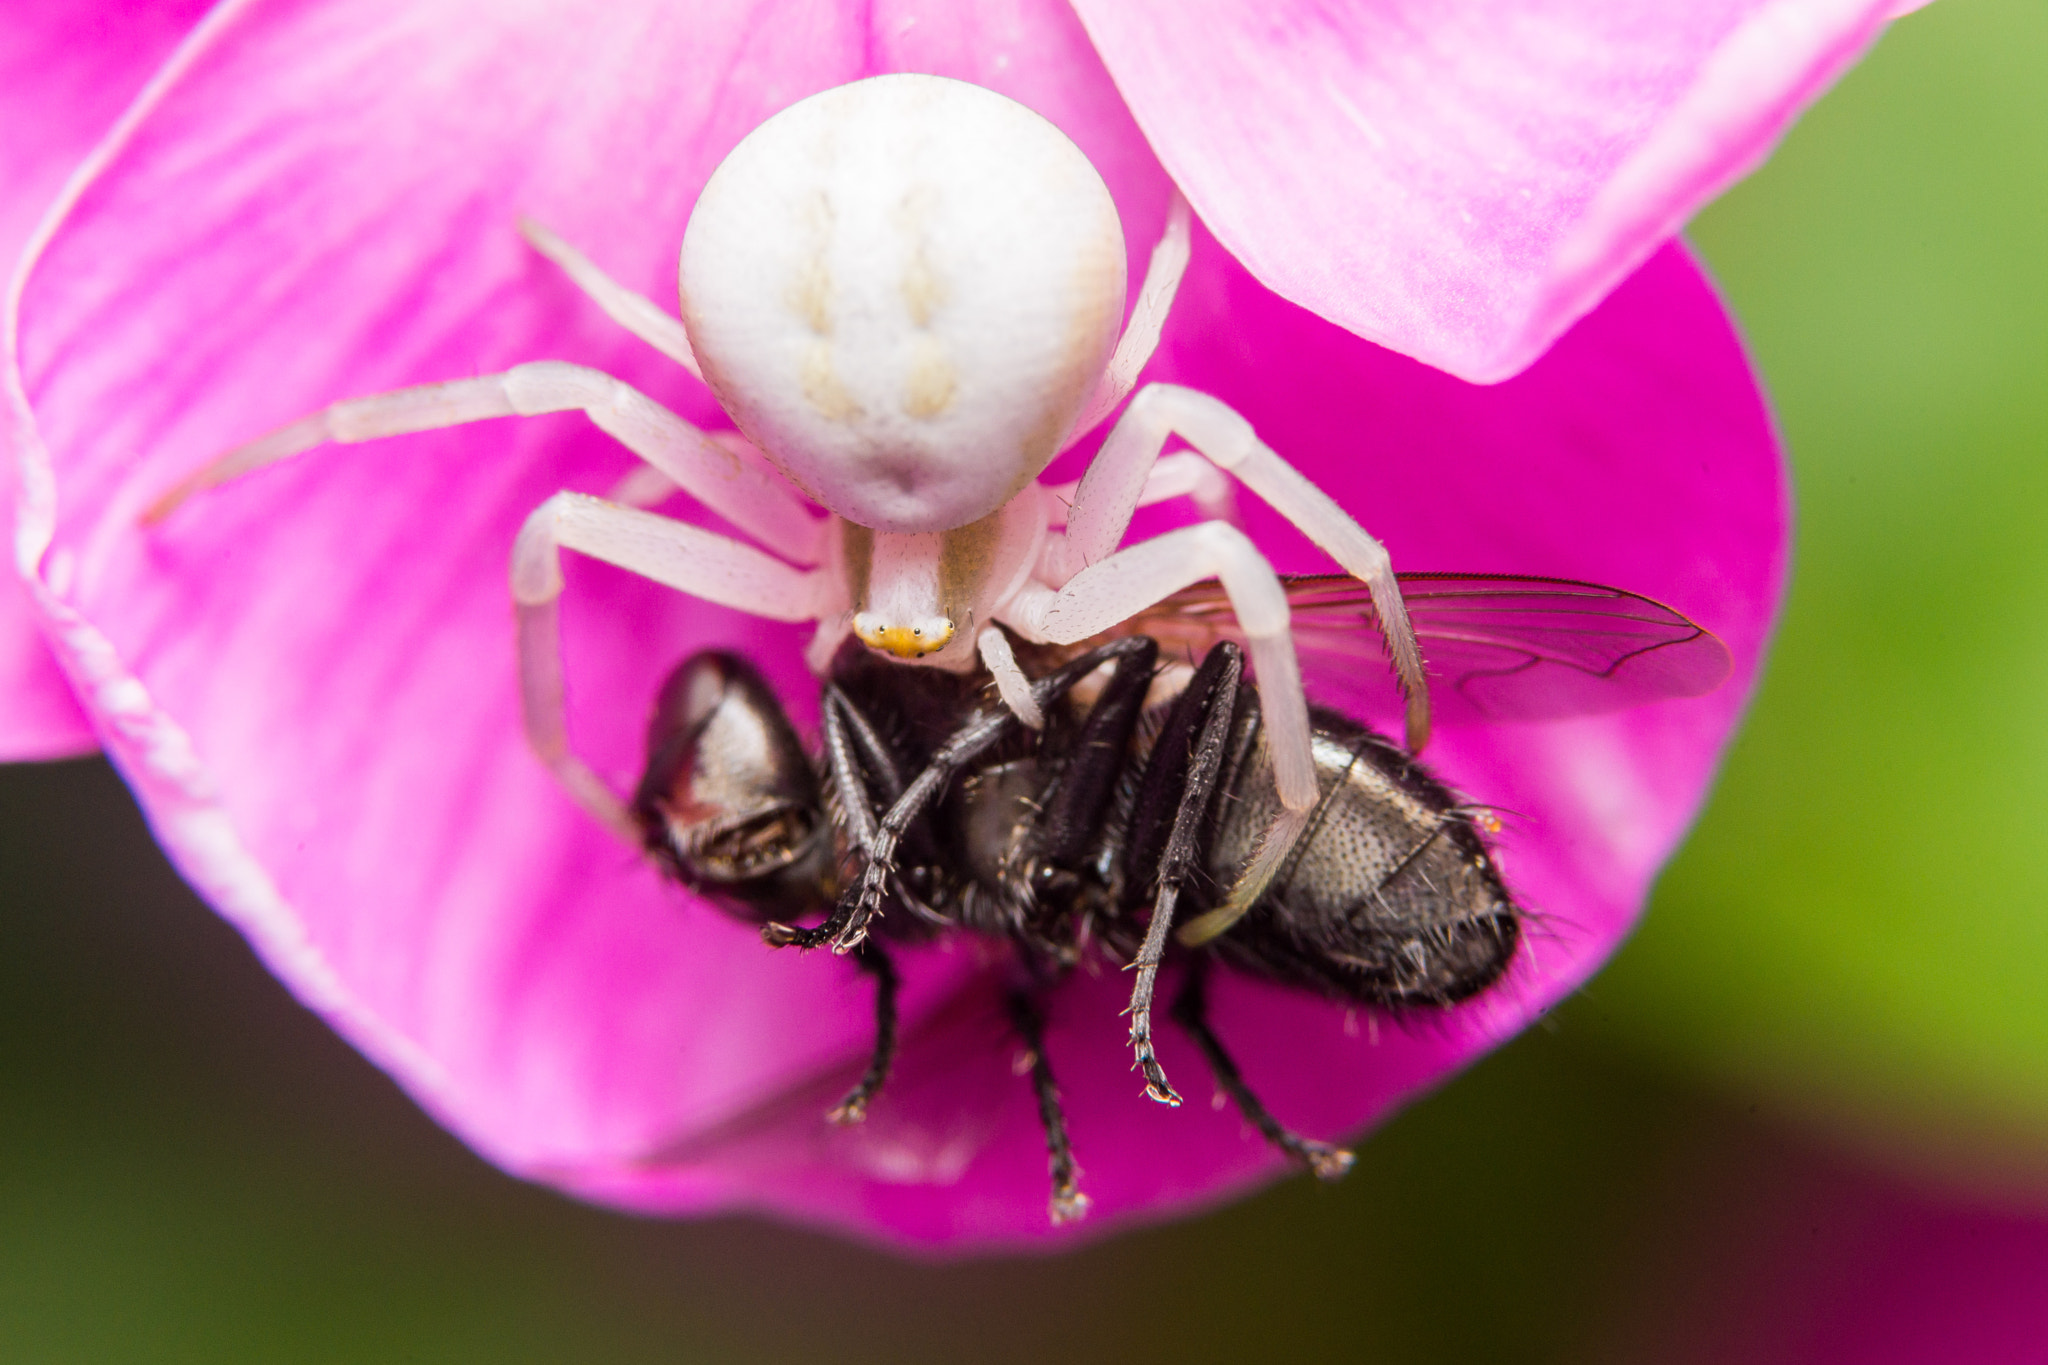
{"x": 904, "y": 291}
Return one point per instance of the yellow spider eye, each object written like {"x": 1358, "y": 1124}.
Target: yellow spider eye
{"x": 904, "y": 642}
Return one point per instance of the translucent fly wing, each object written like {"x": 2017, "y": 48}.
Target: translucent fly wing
{"x": 1498, "y": 647}
{"x": 1538, "y": 649}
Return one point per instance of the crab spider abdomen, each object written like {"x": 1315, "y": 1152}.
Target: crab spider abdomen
{"x": 904, "y": 291}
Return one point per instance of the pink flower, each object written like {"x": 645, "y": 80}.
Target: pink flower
{"x": 66, "y": 69}
{"x": 307, "y": 677}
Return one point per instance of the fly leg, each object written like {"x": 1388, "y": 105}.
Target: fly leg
{"x": 877, "y": 964}
{"x": 1068, "y": 1203}
{"x": 846, "y": 927}
{"x": 848, "y": 924}
{"x": 1191, "y": 1012}
{"x": 1072, "y": 818}
{"x": 1110, "y": 591}
{"x": 1185, "y": 762}
{"x": 855, "y": 755}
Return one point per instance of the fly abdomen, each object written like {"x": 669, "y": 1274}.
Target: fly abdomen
{"x": 1390, "y": 898}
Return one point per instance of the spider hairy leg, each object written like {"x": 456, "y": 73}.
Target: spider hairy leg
{"x": 1115, "y": 481}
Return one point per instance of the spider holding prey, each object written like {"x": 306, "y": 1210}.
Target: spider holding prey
{"x": 906, "y": 294}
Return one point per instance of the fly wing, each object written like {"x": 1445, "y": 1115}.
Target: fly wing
{"x": 1498, "y": 647}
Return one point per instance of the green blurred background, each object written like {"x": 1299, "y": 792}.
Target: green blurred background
{"x": 1830, "y": 1036}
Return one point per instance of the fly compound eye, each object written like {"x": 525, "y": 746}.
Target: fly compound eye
{"x": 728, "y": 802}
{"x": 904, "y": 291}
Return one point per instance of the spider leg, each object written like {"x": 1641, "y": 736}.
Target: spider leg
{"x": 684, "y": 557}
{"x": 636, "y": 313}
{"x": 1148, "y": 318}
{"x": 1011, "y": 684}
{"x": 876, "y": 963}
{"x": 1182, "y": 474}
{"x": 735, "y": 483}
{"x": 1183, "y": 769}
{"x": 1068, "y": 1203}
{"x": 1114, "y": 483}
{"x": 1191, "y": 1012}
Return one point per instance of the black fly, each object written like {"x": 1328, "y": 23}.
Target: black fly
{"x": 1130, "y": 815}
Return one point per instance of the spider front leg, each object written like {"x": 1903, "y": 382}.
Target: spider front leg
{"x": 687, "y": 558}
{"x": 1116, "y": 481}
{"x": 730, "y": 481}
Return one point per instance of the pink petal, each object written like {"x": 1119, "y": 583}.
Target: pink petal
{"x": 66, "y": 70}
{"x": 1462, "y": 181}
{"x": 307, "y": 677}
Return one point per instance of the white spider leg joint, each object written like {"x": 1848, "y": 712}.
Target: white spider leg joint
{"x": 1116, "y": 483}
{"x": 684, "y": 557}
{"x": 1183, "y": 474}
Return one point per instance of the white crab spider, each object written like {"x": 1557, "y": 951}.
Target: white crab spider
{"x": 905, "y": 292}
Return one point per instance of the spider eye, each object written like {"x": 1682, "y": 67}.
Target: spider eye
{"x": 904, "y": 291}
{"x": 914, "y": 641}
